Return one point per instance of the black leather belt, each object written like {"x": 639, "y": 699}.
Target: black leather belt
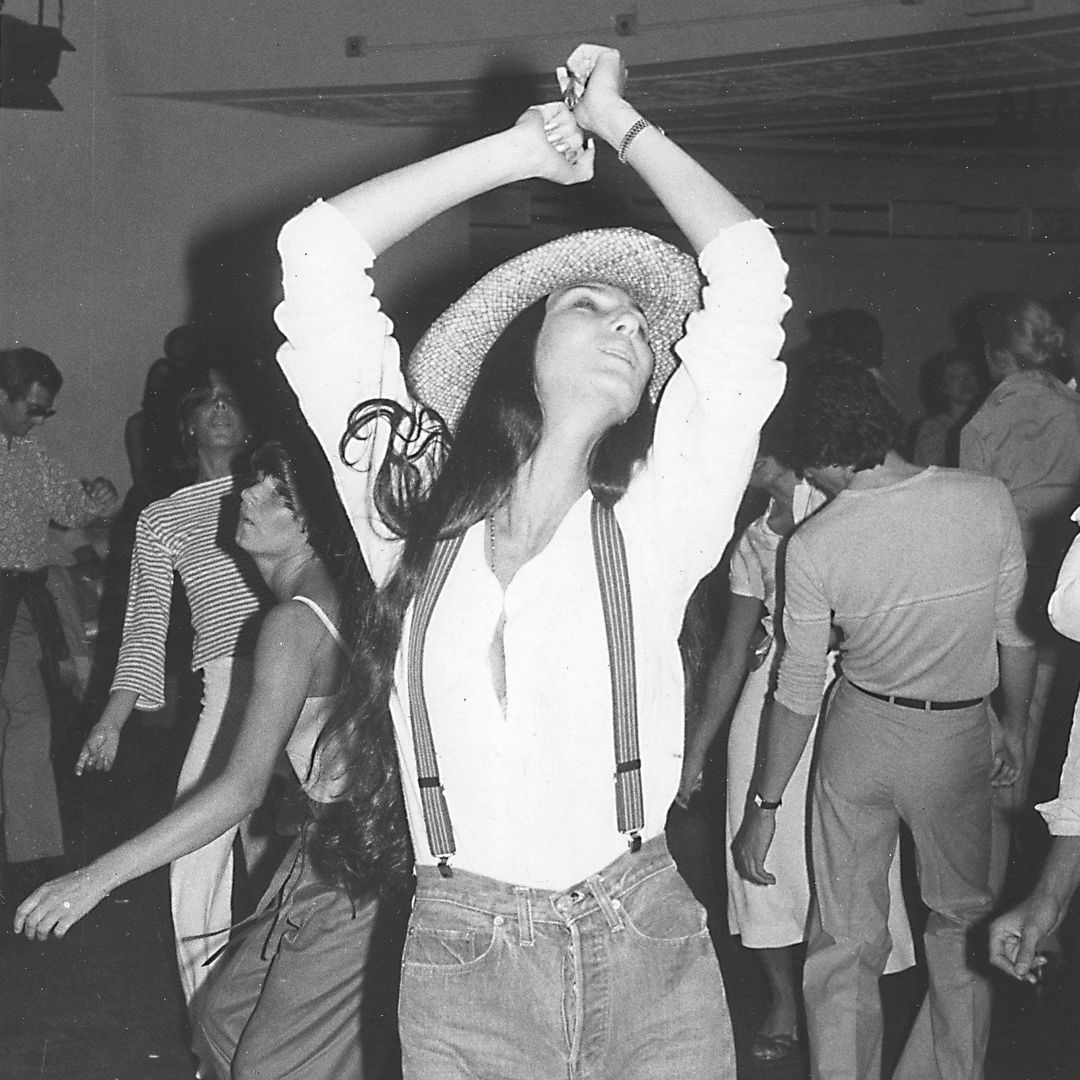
{"x": 918, "y": 703}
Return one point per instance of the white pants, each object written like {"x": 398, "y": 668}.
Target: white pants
{"x": 201, "y": 883}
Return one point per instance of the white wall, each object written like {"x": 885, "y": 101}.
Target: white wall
{"x": 121, "y": 214}
{"x": 104, "y": 206}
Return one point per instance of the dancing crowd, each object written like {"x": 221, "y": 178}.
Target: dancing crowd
{"x": 479, "y": 690}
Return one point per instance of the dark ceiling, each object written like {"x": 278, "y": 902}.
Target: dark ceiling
{"x": 1007, "y": 92}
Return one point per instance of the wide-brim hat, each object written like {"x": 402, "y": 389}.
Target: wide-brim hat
{"x": 662, "y": 280}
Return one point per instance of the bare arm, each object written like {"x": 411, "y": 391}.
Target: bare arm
{"x": 390, "y": 207}
{"x": 783, "y": 736}
{"x": 99, "y": 749}
{"x": 1017, "y": 664}
{"x": 1015, "y": 936}
{"x": 726, "y": 677}
{"x": 284, "y": 665}
{"x": 698, "y": 203}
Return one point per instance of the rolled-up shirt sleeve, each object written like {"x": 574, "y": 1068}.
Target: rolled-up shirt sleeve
{"x": 1012, "y": 576}
{"x": 1063, "y": 813}
{"x": 1064, "y": 606}
{"x": 807, "y": 618}
{"x": 340, "y": 351}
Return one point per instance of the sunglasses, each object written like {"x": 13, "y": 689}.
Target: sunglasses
{"x": 39, "y": 412}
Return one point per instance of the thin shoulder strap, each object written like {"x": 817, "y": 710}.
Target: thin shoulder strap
{"x": 331, "y": 629}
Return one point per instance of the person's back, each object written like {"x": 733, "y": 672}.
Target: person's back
{"x": 913, "y": 572}
{"x": 1027, "y": 433}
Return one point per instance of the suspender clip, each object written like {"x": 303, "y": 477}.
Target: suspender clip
{"x": 635, "y": 843}
{"x": 444, "y": 867}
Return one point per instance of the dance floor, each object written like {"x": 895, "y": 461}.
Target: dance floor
{"x": 104, "y": 1003}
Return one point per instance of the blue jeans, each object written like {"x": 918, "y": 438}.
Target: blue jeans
{"x": 613, "y": 978}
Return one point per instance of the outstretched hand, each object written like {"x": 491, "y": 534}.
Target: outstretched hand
{"x": 58, "y": 904}
{"x": 556, "y": 138}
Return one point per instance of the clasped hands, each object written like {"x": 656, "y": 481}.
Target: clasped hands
{"x": 592, "y": 80}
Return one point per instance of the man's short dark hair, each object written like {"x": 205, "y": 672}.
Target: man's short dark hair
{"x": 20, "y": 368}
{"x": 842, "y": 417}
{"x": 847, "y": 334}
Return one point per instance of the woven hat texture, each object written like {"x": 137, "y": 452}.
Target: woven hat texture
{"x": 662, "y": 280}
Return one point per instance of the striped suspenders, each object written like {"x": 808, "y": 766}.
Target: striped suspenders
{"x": 614, "y": 581}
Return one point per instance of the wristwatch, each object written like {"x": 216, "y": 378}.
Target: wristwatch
{"x": 765, "y": 804}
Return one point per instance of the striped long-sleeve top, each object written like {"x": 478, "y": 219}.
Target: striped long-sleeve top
{"x": 190, "y": 533}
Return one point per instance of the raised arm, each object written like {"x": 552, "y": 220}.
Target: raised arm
{"x": 544, "y": 143}
{"x": 698, "y": 203}
{"x": 285, "y": 657}
{"x": 340, "y": 350}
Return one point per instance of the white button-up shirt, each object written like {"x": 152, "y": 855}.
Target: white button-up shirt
{"x": 530, "y": 789}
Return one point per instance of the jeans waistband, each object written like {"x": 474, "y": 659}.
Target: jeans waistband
{"x": 531, "y": 905}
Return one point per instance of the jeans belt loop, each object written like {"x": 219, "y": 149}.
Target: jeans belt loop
{"x": 611, "y": 910}
{"x": 526, "y": 936}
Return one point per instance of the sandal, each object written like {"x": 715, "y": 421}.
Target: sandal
{"x": 768, "y": 1049}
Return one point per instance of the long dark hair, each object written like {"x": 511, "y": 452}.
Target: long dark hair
{"x": 430, "y": 486}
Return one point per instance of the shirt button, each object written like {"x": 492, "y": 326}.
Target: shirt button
{"x": 498, "y": 920}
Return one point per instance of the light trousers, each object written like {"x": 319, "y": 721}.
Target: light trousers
{"x": 201, "y": 883}
{"x": 880, "y": 764}
{"x": 31, "y": 809}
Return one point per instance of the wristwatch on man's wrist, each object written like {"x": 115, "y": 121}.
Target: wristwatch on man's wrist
{"x": 765, "y": 804}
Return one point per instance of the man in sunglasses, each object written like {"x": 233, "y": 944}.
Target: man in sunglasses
{"x": 34, "y": 492}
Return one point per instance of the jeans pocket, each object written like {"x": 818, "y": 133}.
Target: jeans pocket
{"x": 447, "y": 938}
{"x": 662, "y": 909}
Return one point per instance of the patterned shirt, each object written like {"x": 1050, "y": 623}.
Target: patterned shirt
{"x": 35, "y": 490}
{"x": 190, "y": 533}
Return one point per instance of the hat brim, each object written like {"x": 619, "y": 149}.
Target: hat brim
{"x": 662, "y": 280}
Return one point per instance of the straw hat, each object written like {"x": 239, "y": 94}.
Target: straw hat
{"x": 662, "y": 280}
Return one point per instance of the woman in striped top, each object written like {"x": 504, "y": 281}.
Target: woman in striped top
{"x": 190, "y": 533}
